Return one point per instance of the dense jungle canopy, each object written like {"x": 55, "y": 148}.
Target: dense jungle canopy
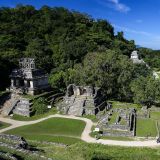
{"x": 73, "y": 47}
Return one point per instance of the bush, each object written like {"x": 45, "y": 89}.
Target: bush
{"x": 40, "y": 106}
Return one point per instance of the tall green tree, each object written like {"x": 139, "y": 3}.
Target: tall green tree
{"x": 146, "y": 90}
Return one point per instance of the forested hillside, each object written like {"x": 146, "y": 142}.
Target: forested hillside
{"x": 72, "y": 47}
{"x": 152, "y": 57}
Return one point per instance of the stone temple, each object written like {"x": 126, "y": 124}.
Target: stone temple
{"x": 80, "y": 100}
{"x": 135, "y": 57}
{"x": 136, "y": 60}
{"x": 27, "y": 79}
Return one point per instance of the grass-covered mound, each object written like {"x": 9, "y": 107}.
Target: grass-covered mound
{"x": 84, "y": 151}
{"x": 60, "y": 130}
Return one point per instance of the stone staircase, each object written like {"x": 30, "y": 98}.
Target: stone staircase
{"x": 77, "y": 107}
{"x": 9, "y": 106}
{"x": 23, "y": 107}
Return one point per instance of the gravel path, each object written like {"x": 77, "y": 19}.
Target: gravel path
{"x": 85, "y": 134}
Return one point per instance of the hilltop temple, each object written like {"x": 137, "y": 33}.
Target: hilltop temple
{"x": 135, "y": 57}
{"x": 136, "y": 60}
{"x": 27, "y": 79}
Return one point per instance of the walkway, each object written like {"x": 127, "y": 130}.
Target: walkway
{"x": 85, "y": 134}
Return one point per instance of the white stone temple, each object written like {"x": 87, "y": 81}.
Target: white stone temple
{"x": 27, "y": 79}
{"x": 135, "y": 57}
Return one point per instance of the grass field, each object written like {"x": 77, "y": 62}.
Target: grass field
{"x": 84, "y": 151}
{"x": 4, "y": 125}
{"x": 113, "y": 118}
{"x": 91, "y": 117}
{"x": 155, "y": 115}
{"x": 146, "y": 127}
{"x": 53, "y": 129}
{"x": 117, "y": 104}
{"x": 35, "y": 117}
{"x": 53, "y": 138}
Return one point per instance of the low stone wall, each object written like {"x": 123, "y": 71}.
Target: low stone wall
{"x": 18, "y": 141}
{"x": 118, "y": 134}
{"x": 156, "y": 109}
{"x": 143, "y": 114}
{"x": 118, "y": 126}
{"x": 7, "y": 156}
{"x": 19, "y": 144}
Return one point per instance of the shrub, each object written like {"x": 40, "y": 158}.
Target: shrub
{"x": 39, "y": 106}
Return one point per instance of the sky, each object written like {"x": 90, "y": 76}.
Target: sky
{"x": 139, "y": 19}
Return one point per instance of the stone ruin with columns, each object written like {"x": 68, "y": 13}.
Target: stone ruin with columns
{"x": 80, "y": 100}
{"x": 25, "y": 80}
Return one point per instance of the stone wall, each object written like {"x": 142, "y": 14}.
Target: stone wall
{"x": 118, "y": 127}
{"x": 19, "y": 144}
{"x": 126, "y": 128}
{"x": 81, "y": 100}
{"x": 7, "y": 156}
{"x": 118, "y": 134}
{"x": 23, "y": 107}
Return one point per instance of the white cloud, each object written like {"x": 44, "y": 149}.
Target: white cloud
{"x": 151, "y": 40}
{"x": 115, "y": 4}
{"x": 132, "y": 30}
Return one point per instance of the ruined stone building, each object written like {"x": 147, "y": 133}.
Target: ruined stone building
{"x": 135, "y": 57}
{"x": 27, "y": 79}
{"x": 81, "y": 100}
{"x": 118, "y": 122}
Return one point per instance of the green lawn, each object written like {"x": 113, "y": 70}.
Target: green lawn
{"x": 53, "y": 129}
{"x": 146, "y": 127}
{"x": 53, "y": 138}
{"x": 113, "y": 118}
{"x": 4, "y": 125}
{"x": 93, "y": 118}
{"x": 35, "y": 117}
{"x": 155, "y": 115}
{"x": 117, "y": 104}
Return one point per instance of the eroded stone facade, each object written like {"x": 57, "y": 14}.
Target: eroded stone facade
{"x": 27, "y": 79}
{"x": 80, "y": 100}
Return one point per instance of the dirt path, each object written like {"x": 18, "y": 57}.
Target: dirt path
{"x": 85, "y": 134}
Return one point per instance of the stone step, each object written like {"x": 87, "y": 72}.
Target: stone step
{"x": 7, "y": 109}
